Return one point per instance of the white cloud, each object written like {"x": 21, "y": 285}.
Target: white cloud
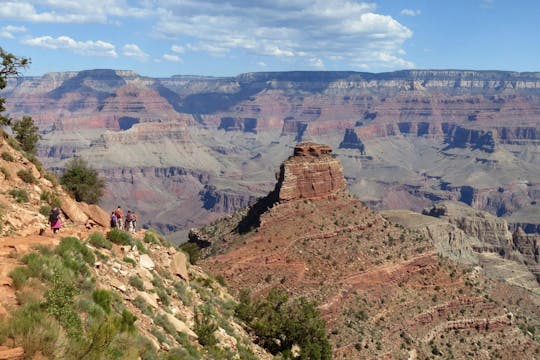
{"x": 290, "y": 30}
{"x": 88, "y": 48}
{"x": 410, "y": 12}
{"x": 9, "y": 30}
{"x": 172, "y": 58}
{"x": 316, "y": 63}
{"x": 132, "y": 50}
{"x": 262, "y": 64}
{"x": 178, "y": 49}
{"x": 69, "y": 11}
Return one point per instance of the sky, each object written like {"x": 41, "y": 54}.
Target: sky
{"x": 161, "y": 38}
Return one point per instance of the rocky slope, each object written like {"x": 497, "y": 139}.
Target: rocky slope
{"x": 144, "y": 276}
{"x": 408, "y": 138}
{"x": 382, "y": 289}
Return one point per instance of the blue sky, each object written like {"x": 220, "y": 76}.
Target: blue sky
{"x": 222, "y": 38}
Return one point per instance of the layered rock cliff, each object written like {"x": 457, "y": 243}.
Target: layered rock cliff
{"x": 369, "y": 276}
{"x": 310, "y": 173}
{"x": 430, "y": 134}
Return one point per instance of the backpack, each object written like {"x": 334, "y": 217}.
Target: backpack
{"x": 113, "y": 220}
{"x": 53, "y": 216}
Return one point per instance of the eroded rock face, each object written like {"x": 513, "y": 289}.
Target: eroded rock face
{"x": 310, "y": 173}
{"x": 490, "y": 230}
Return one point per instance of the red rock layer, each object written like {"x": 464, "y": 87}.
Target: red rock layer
{"x": 310, "y": 173}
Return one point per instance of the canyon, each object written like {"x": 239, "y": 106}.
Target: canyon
{"x": 186, "y": 150}
{"x": 390, "y": 285}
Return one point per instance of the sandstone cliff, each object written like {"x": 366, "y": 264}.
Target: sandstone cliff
{"x": 309, "y": 174}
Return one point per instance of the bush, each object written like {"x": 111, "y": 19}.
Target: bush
{"x": 97, "y": 240}
{"x": 26, "y": 176}
{"x": 7, "y": 156}
{"x": 52, "y": 178}
{"x": 205, "y": 328}
{"x": 82, "y": 181}
{"x": 20, "y": 195}
{"x": 51, "y": 198}
{"x": 119, "y": 237}
{"x": 104, "y": 299}
{"x": 75, "y": 254}
{"x": 45, "y": 210}
{"x": 298, "y": 322}
{"x": 136, "y": 282}
{"x": 5, "y": 172}
{"x": 192, "y": 250}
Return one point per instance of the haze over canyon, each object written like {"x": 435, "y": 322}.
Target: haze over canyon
{"x": 186, "y": 150}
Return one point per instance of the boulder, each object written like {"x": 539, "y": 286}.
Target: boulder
{"x": 73, "y": 211}
{"x": 179, "y": 265}
{"x": 146, "y": 262}
{"x": 180, "y": 326}
{"x": 95, "y": 213}
{"x": 150, "y": 299}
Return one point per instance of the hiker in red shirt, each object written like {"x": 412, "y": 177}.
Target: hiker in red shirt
{"x": 119, "y": 217}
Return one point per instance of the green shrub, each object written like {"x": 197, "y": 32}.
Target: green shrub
{"x": 34, "y": 330}
{"x": 26, "y": 176}
{"x": 5, "y": 172}
{"x": 130, "y": 261}
{"x": 19, "y": 277}
{"x": 136, "y": 282}
{"x": 45, "y": 210}
{"x": 13, "y": 143}
{"x": 50, "y": 198}
{"x": 34, "y": 160}
{"x": 97, "y": 240}
{"x": 192, "y": 250}
{"x": 119, "y": 237}
{"x": 7, "y": 156}
{"x": 20, "y": 195}
{"x": 204, "y": 327}
{"x": 52, "y": 178}
{"x": 104, "y": 299}
{"x": 82, "y": 181}
{"x": 75, "y": 254}
{"x": 297, "y": 322}
{"x": 152, "y": 237}
{"x": 141, "y": 247}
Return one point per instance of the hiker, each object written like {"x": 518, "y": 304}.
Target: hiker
{"x": 129, "y": 221}
{"x": 113, "y": 219}
{"x": 119, "y": 217}
{"x": 54, "y": 219}
{"x": 134, "y": 220}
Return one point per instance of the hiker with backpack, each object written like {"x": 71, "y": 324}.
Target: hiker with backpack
{"x": 54, "y": 219}
{"x": 113, "y": 219}
{"x": 129, "y": 221}
{"x": 119, "y": 217}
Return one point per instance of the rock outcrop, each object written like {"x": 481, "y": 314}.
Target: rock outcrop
{"x": 367, "y": 274}
{"x": 492, "y": 231}
{"x": 310, "y": 173}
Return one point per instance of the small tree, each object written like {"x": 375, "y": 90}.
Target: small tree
{"x": 26, "y": 133}
{"x": 82, "y": 181}
{"x": 10, "y": 67}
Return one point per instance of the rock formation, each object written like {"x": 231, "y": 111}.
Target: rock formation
{"x": 309, "y": 174}
{"x": 431, "y": 134}
{"x": 368, "y": 275}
